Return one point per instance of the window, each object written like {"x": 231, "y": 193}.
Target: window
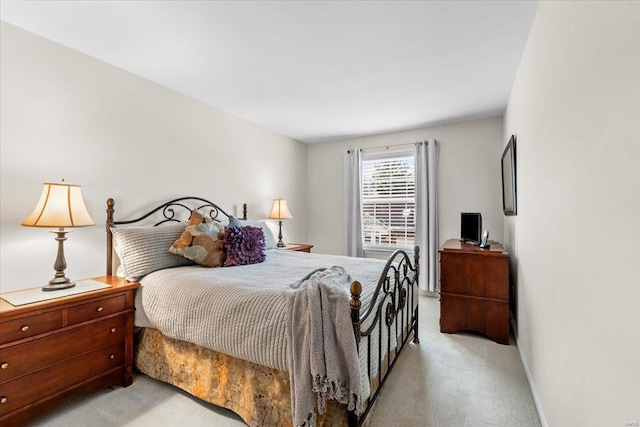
{"x": 388, "y": 201}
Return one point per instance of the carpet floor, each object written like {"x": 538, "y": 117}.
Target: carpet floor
{"x": 447, "y": 380}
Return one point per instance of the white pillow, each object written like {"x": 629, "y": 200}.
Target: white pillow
{"x": 144, "y": 250}
{"x": 120, "y": 270}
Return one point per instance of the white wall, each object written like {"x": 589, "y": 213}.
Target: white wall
{"x": 469, "y": 179}
{"x": 575, "y": 107}
{"x": 67, "y": 115}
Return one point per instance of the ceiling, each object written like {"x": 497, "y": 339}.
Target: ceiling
{"x": 312, "y": 70}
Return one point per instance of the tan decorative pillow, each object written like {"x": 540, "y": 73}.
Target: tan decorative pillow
{"x": 202, "y": 241}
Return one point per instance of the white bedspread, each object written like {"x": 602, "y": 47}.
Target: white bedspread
{"x": 239, "y": 311}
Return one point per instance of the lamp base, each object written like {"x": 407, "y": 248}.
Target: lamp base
{"x": 58, "y": 286}
{"x": 59, "y": 281}
{"x": 280, "y": 242}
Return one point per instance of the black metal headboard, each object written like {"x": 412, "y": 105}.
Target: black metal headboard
{"x": 168, "y": 211}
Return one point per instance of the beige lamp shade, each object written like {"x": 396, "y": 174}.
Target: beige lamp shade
{"x": 280, "y": 210}
{"x": 61, "y": 205}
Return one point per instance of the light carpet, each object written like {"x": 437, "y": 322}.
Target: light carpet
{"x": 447, "y": 380}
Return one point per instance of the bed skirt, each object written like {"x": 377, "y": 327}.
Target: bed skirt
{"x": 258, "y": 394}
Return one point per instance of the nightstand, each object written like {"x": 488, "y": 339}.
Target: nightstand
{"x": 300, "y": 247}
{"x": 62, "y": 347}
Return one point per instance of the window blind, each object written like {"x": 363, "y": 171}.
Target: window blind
{"x": 388, "y": 201}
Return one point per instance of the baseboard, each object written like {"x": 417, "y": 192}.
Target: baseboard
{"x": 532, "y": 387}
{"x": 429, "y": 294}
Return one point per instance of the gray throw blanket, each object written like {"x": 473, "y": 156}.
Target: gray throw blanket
{"x": 322, "y": 357}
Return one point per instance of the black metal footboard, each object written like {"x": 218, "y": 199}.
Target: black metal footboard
{"x": 394, "y": 314}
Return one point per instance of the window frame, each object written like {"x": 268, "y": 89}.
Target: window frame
{"x": 408, "y": 228}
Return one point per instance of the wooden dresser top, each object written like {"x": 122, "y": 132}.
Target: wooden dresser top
{"x": 117, "y": 285}
{"x": 496, "y": 249}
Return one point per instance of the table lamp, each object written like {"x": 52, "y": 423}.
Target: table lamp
{"x": 61, "y": 206}
{"x": 280, "y": 211}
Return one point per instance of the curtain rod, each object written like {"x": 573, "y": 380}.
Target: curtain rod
{"x": 388, "y": 147}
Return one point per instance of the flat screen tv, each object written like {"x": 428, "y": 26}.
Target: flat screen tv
{"x": 470, "y": 227}
{"x": 509, "y": 178}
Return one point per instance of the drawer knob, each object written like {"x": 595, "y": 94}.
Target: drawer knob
{"x": 3, "y": 399}
{"x": 100, "y": 308}
{"x": 113, "y": 330}
{"x": 4, "y": 365}
{"x": 112, "y": 356}
{"x": 25, "y": 328}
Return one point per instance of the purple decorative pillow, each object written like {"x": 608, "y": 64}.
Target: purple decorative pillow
{"x": 244, "y": 245}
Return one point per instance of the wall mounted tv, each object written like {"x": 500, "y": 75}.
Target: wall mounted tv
{"x": 509, "y": 177}
{"x": 470, "y": 227}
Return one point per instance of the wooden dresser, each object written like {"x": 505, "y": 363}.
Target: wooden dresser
{"x": 62, "y": 347}
{"x": 474, "y": 289}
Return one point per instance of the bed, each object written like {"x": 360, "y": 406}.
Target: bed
{"x": 242, "y": 340}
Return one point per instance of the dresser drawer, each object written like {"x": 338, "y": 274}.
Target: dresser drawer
{"x": 474, "y": 275}
{"x": 28, "y": 389}
{"x": 30, "y": 357}
{"x": 29, "y": 326}
{"x": 464, "y": 313}
{"x": 95, "y": 309}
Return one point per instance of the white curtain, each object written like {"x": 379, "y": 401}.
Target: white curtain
{"x": 427, "y": 213}
{"x": 352, "y": 208}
